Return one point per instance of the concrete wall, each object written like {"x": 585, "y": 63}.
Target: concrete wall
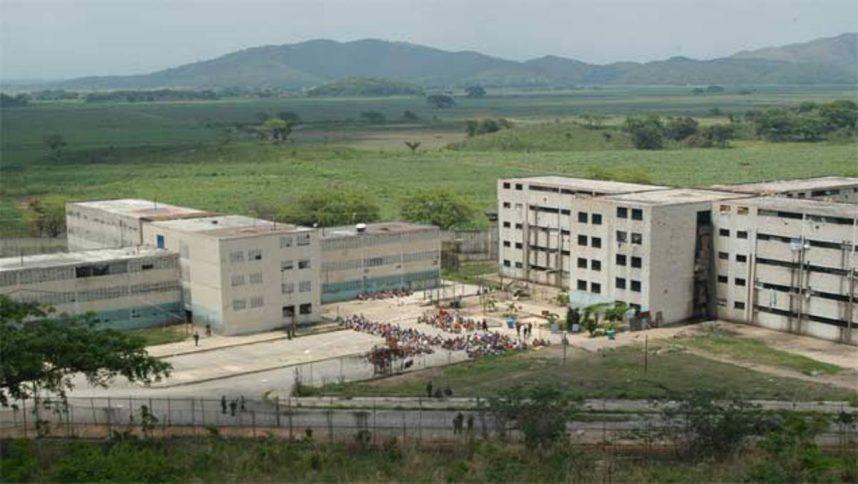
{"x": 474, "y": 245}
{"x": 17, "y": 246}
{"x": 91, "y": 228}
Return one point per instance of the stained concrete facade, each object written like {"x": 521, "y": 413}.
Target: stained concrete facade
{"x": 110, "y": 224}
{"x": 243, "y": 275}
{"x": 651, "y": 250}
{"x": 788, "y": 264}
{"x": 826, "y": 188}
{"x": 125, "y": 288}
{"x": 534, "y": 220}
{"x": 378, "y": 257}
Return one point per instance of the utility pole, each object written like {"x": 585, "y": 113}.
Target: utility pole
{"x": 565, "y": 343}
{"x": 646, "y": 352}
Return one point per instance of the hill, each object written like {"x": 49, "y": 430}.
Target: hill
{"x": 316, "y": 62}
{"x": 360, "y": 86}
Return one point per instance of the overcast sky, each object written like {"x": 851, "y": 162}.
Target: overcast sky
{"x": 43, "y": 39}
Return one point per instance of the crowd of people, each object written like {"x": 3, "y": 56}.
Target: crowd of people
{"x": 453, "y": 323}
{"x": 411, "y": 341}
{"x": 391, "y": 293}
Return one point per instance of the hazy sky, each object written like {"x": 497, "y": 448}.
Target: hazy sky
{"x": 69, "y": 38}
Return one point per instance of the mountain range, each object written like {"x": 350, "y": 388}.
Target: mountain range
{"x": 832, "y": 60}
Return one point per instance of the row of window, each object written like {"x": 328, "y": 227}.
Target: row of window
{"x": 258, "y": 302}
{"x": 739, "y": 257}
{"x": 737, "y": 281}
{"x": 740, "y": 234}
{"x": 288, "y": 265}
{"x": 619, "y": 283}
{"x": 289, "y": 287}
{"x": 623, "y": 212}
{"x": 368, "y": 240}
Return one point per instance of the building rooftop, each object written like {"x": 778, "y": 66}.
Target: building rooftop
{"x": 143, "y": 209}
{"x": 674, "y": 196}
{"x": 224, "y": 226}
{"x": 586, "y": 185}
{"x": 781, "y": 186}
{"x": 375, "y": 229}
{"x": 802, "y": 205}
{"x": 60, "y": 259}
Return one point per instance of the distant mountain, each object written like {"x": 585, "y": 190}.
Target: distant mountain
{"x": 839, "y": 51}
{"x": 317, "y": 62}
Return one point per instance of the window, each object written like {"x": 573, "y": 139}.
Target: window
{"x": 287, "y": 265}
{"x": 596, "y": 218}
{"x": 256, "y": 278}
{"x": 254, "y": 254}
{"x": 236, "y": 256}
{"x": 304, "y": 264}
{"x": 159, "y": 241}
{"x": 739, "y": 281}
{"x": 622, "y": 212}
{"x": 305, "y": 309}
{"x": 582, "y": 217}
{"x": 723, "y": 256}
{"x": 519, "y": 186}
{"x": 741, "y": 234}
{"x": 595, "y": 288}
{"x": 305, "y": 286}
{"x": 637, "y": 262}
{"x": 620, "y": 283}
{"x": 742, "y": 210}
{"x": 738, "y": 305}
{"x": 637, "y": 214}
{"x": 636, "y": 286}
{"x": 147, "y": 267}
{"x": 621, "y": 260}
{"x": 595, "y": 265}
{"x": 582, "y": 263}
{"x": 637, "y": 238}
{"x": 741, "y": 258}
{"x": 564, "y": 211}
{"x": 506, "y": 205}
{"x": 724, "y": 209}
{"x": 582, "y": 240}
{"x": 506, "y": 263}
{"x": 287, "y": 287}
{"x": 237, "y": 280}
{"x": 518, "y": 226}
{"x": 518, "y": 245}
{"x": 257, "y": 302}
{"x": 303, "y": 239}
{"x": 506, "y": 243}
{"x": 285, "y": 242}
{"x": 238, "y": 304}
{"x": 506, "y": 225}
{"x": 506, "y": 185}
{"x": 596, "y": 242}
{"x": 724, "y": 232}
{"x": 622, "y": 236}
{"x": 582, "y": 285}
{"x": 722, "y": 279}
{"x": 518, "y": 265}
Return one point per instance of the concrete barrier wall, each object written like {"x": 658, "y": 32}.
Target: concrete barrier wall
{"x": 15, "y": 246}
{"x": 473, "y": 244}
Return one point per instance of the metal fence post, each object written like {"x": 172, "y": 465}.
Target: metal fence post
{"x": 277, "y": 409}
{"x": 109, "y": 410}
{"x": 193, "y": 415}
{"x": 92, "y": 405}
{"x": 24, "y": 415}
{"x": 290, "y": 418}
{"x": 253, "y": 422}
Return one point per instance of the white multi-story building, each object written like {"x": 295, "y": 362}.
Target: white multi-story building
{"x": 826, "y": 188}
{"x": 241, "y": 274}
{"x": 126, "y": 288}
{"x": 534, "y": 220}
{"x": 110, "y": 224}
{"x": 788, "y": 264}
{"x": 378, "y": 257}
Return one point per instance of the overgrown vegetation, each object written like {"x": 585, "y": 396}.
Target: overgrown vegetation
{"x": 809, "y": 121}
{"x": 440, "y": 207}
{"x": 366, "y": 86}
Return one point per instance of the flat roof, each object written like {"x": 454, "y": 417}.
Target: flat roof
{"x": 781, "y": 186}
{"x": 59, "y": 259}
{"x": 143, "y": 209}
{"x": 802, "y": 205}
{"x": 380, "y": 228}
{"x": 224, "y": 226}
{"x": 673, "y": 196}
{"x": 586, "y": 184}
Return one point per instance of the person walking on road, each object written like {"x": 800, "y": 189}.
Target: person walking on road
{"x": 196, "y": 338}
{"x": 208, "y": 329}
{"x": 457, "y": 423}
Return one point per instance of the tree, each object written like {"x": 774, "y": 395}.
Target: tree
{"x": 680, "y": 128}
{"x": 55, "y": 143}
{"x": 593, "y": 120}
{"x": 717, "y": 136}
{"x": 440, "y": 101}
{"x": 540, "y": 412}
{"x": 45, "y": 217}
{"x": 474, "y": 127}
{"x": 647, "y": 132}
{"x": 373, "y": 117}
{"x": 412, "y": 145}
{"x": 437, "y": 206}
{"x": 409, "y": 115}
{"x": 331, "y": 207}
{"x": 42, "y": 352}
{"x": 276, "y": 129}
{"x": 290, "y": 117}
{"x": 475, "y": 91}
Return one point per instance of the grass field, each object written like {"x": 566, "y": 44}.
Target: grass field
{"x": 162, "y": 335}
{"x": 182, "y": 153}
{"x": 617, "y": 373}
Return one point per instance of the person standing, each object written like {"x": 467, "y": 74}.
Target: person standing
{"x": 232, "y": 406}
{"x": 223, "y": 404}
{"x": 429, "y": 389}
{"x": 208, "y": 329}
{"x": 196, "y": 338}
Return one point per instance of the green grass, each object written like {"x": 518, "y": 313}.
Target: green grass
{"x": 565, "y": 136}
{"x": 617, "y": 373}
{"x": 161, "y": 335}
{"x": 755, "y": 351}
{"x": 470, "y": 272}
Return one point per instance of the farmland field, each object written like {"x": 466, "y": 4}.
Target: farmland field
{"x": 183, "y": 153}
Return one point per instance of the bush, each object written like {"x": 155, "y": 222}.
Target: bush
{"x": 540, "y": 413}
{"x": 647, "y": 132}
{"x": 331, "y": 207}
{"x": 440, "y": 207}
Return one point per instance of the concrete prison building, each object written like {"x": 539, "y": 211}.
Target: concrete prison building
{"x": 827, "y": 188}
{"x": 378, "y": 257}
{"x": 788, "y": 264}
{"x": 651, "y": 250}
{"x": 534, "y": 220}
{"x": 109, "y": 224}
{"x": 241, "y": 274}
{"x": 125, "y": 288}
